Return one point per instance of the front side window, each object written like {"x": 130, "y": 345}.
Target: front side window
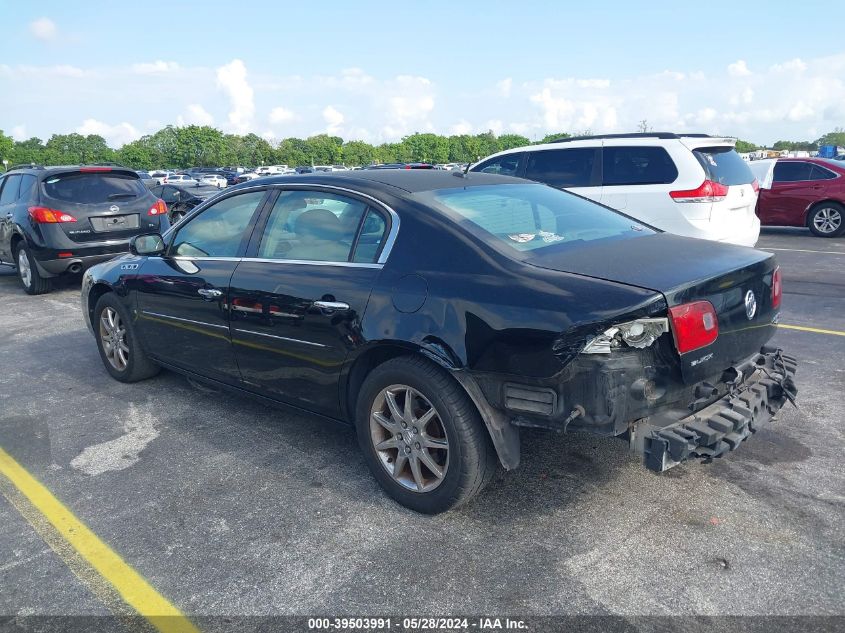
{"x": 531, "y": 217}
{"x": 507, "y": 165}
{"x": 563, "y": 167}
{"x": 638, "y": 166}
{"x": 792, "y": 171}
{"x": 94, "y": 188}
{"x": 320, "y": 227}
{"x": 9, "y": 193}
{"x": 218, "y": 230}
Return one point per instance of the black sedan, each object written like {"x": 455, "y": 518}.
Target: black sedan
{"x": 182, "y": 199}
{"x": 441, "y": 312}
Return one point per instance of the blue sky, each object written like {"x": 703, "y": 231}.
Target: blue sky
{"x": 380, "y": 70}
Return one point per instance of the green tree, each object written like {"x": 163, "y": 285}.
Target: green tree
{"x": 7, "y": 148}
{"x": 357, "y": 153}
{"x": 745, "y": 146}
{"x": 429, "y": 148}
{"x": 509, "y": 141}
{"x": 837, "y": 137}
{"x": 325, "y": 149}
{"x": 548, "y": 138}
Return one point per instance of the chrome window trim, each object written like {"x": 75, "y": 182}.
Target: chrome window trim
{"x": 308, "y": 262}
{"x": 389, "y": 241}
{"x": 167, "y": 316}
{"x": 281, "y": 338}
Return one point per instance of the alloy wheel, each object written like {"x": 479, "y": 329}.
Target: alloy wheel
{"x": 113, "y": 338}
{"x": 827, "y": 220}
{"x": 409, "y": 438}
{"x": 24, "y": 268}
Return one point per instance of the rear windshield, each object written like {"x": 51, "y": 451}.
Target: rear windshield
{"x": 530, "y": 217}
{"x": 93, "y": 188}
{"x": 723, "y": 165}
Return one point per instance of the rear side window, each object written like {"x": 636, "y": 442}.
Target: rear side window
{"x": 93, "y": 188}
{"x": 820, "y": 173}
{"x": 724, "y": 165}
{"x": 563, "y": 167}
{"x": 9, "y": 193}
{"x": 793, "y": 171}
{"x": 638, "y": 166}
{"x": 27, "y": 187}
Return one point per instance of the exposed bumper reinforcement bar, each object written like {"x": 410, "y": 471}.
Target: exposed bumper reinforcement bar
{"x": 760, "y": 388}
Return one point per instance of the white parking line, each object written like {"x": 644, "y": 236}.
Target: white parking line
{"x": 801, "y": 250}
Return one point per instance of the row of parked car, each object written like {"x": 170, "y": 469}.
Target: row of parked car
{"x": 56, "y": 220}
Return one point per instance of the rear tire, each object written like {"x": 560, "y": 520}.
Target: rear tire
{"x": 31, "y": 280}
{"x": 120, "y": 351}
{"x": 438, "y": 442}
{"x": 826, "y": 219}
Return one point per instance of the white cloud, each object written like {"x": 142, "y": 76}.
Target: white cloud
{"x": 115, "y": 135}
{"x": 44, "y": 29}
{"x": 281, "y": 115}
{"x": 738, "y": 69}
{"x": 155, "y": 68}
{"x": 504, "y": 87}
{"x": 333, "y": 118}
{"x": 195, "y": 114}
{"x": 232, "y": 80}
{"x": 461, "y": 127}
{"x": 19, "y": 133}
{"x": 793, "y": 65}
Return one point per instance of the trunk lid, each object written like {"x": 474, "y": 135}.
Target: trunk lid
{"x": 685, "y": 270}
{"x": 108, "y": 204}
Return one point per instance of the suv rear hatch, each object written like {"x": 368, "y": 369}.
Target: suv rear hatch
{"x": 108, "y": 204}
{"x": 734, "y": 196}
{"x": 685, "y": 270}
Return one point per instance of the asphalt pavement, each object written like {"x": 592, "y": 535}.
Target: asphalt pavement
{"x": 228, "y": 507}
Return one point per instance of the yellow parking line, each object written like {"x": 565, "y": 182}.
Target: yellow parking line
{"x": 128, "y": 583}
{"x": 811, "y": 329}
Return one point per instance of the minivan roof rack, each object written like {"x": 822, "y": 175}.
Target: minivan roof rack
{"x": 25, "y": 166}
{"x": 629, "y": 135}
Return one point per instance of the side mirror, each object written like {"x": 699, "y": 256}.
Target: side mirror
{"x": 148, "y": 244}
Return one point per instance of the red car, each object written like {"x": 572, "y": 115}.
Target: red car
{"x": 802, "y": 192}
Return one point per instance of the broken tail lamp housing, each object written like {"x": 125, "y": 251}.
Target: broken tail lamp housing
{"x": 639, "y": 333}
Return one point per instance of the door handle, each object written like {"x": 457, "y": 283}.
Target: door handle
{"x": 209, "y": 293}
{"x": 331, "y": 305}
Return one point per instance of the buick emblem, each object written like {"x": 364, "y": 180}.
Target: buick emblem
{"x": 750, "y": 304}
{"x": 114, "y": 208}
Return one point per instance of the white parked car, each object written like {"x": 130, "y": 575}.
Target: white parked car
{"x": 180, "y": 179}
{"x": 160, "y": 176}
{"x": 270, "y": 170}
{"x": 694, "y": 185}
{"x": 215, "y": 180}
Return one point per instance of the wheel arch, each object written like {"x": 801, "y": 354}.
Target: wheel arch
{"x": 814, "y": 205}
{"x": 97, "y": 290}
{"x": 503, "y": 434}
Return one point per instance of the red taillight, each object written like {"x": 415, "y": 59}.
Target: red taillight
{"x": 755, "y": 186}
{"x": 694, "y": 325}
{"x": 65, "y": 254}
{"x": 777, "y": 288}
{"x": 708, "y": 191}
{"x": 43, "y": 215}
{"x": 159, "y": 208}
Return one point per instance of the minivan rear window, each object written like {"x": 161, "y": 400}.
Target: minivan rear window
{"x": 724, "y": 165}
{"x": 93, "y": 188}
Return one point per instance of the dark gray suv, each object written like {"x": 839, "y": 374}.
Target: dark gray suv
{"x": 62, "y": 220}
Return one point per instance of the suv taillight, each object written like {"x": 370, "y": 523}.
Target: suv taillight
{"x": 694, "y": 325}
{"x": 777, "y": 288}
{"x": 708, "y": 191}
{"x": 159, "y": 208}
{"x": 43, "y": 215}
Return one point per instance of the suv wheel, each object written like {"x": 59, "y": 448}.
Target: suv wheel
{"x": 827, "y": 219}
{"x": 31, "y": 280}
{"x": 422, "y": 437}
{"x": 120, "y": 351}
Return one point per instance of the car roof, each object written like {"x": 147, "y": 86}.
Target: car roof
{"x": 50, "y": 170}
{"x": 408, "y": 180}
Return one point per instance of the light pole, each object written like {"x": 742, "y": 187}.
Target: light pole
{"x": 5, "y": 163}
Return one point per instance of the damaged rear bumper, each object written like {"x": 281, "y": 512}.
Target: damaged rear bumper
{"x": 761, "y": 386}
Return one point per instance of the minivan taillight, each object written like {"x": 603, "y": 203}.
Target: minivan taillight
{"x": 777, "y": 288}
{"x": 694, "y": 325}
{"x": 755, "y": 185}
{"x": 159, "y": 208}
{"x": 43, "y": 215}
{"x": 708, "y": 191}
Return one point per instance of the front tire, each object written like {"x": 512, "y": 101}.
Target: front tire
{"x": 422, "y": 437}
{"x": 827, "y": 219}
{"x": 31, "y": 280}
{"x": 118, "y": 344}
